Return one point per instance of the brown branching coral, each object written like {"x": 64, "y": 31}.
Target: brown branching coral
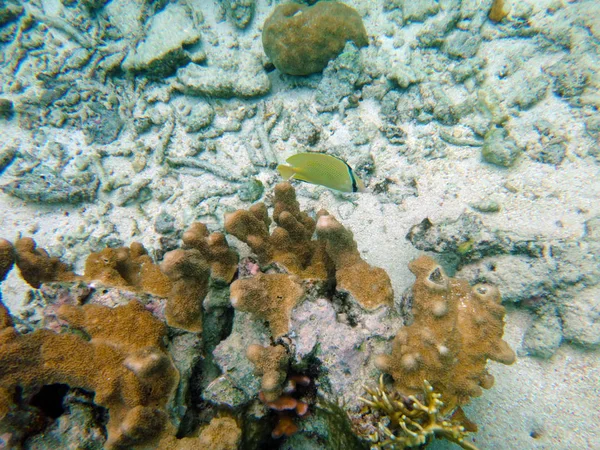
{"x": 332, "y": 256}
{"x": 369, "y": 285}
{"x": 128, "y": 268}
{"x": 290, "y": 243}
{"x": 189, "y": 273}
{"x": 37, "y": 267}
{"x": 7, "y": 258}
{"x": 182, "y": 277}
{"x": 214, "y": 249}
{"x": 271, "y": 364}
{"x": 270, "y": 297}
{"x": 406, "y": 422}
{"x": 124, "y": 363}
{"x": 222, "y": 433}
{"x": 456, "y": 330}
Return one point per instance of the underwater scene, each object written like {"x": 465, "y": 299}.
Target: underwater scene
{"x": 309, "y": 225}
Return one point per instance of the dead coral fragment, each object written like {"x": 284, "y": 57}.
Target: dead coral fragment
{"x": 412, "y": 423}
{"x": 456, "y": 329}
{"x": 270, "y": 297}
{"x": 369, "y": 285}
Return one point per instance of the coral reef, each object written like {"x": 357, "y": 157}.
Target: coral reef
{"x": 333, "y": 254}
{"x": 319, "y": 306}
{"x": 456, "y": 330}
{"x": 301, "y": 39}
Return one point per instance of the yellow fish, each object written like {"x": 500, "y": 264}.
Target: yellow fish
{"x": 326, "y": 170}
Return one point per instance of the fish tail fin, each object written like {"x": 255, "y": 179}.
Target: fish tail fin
{"x": 286, "y": 172}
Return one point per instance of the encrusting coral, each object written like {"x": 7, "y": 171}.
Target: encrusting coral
{"x": 405, "y": 422}
{"x": 456, "y": 330}
{"x": 124, "y": 363}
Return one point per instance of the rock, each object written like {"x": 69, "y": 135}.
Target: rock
{"x": 486, "y": 206}
{"x": 339, "y": 79}
{"x": 6, "y": 108}
{"x": 45, "y": 185}
{"x": 499, "y": 148}
{"x": 580, "y": 316}
{"x": 344, "y": 353}
{"x": 551, "y": 153}
{"x": 104, "y": 126}
{"x": 251, "y": 190}
{"x": 242, "y": 76}
{"x": 301, "y": 39}
{"x": 125, "y": 15}
{"x": 79, "y": 424}
{"x": 414, "y": 10}
{"x": 433, "y": 32}
{"x": 462, "y": 44}
{"x": 7, "y": 156}
{"x": 185, "y": 350}
{"x": 570, "y": 79}
{"x": 197, "y": 116}
{"x": 9, "y": 12}
{"x": 530, "y": 91}
{"x": 544, "y": 336}
{"x": 164, "y": 223}
{"x": 239, "y": 12}
{"x": 325, "y": 428}
{"x": 239, "y": 384}
{"x": 161, "y": 52}
{"x": 467, "y": 239}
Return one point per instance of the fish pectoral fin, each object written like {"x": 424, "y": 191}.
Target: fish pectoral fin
{"x": 286, "y": 172}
